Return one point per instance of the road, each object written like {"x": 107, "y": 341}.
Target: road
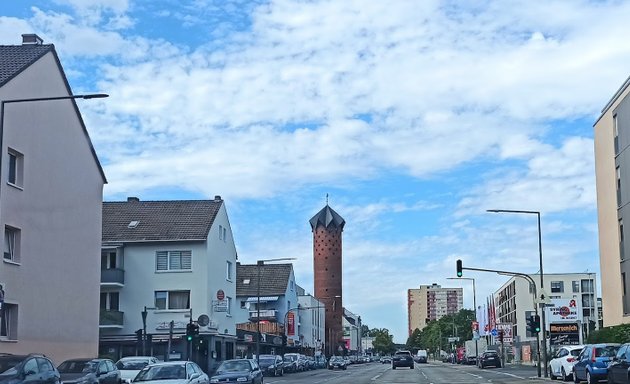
{"x": 431, "y": 373}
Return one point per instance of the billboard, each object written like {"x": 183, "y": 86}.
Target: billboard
{"x": 564, "y": 334}
{"x": 564, "y": 311}
{"x": 507, "y": 332}
{"x": 290, "y": 324}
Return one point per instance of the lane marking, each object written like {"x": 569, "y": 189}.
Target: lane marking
{"x": 425, "y": 376}
{"x": 472, "y": 374}
{"x": 376, "y": 377}
{"x": 508, "y": 374}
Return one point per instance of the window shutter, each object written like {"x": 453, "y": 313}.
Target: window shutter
{"x": 186, "y": 259}
{"x": 175, "y": 260}
{"x": 162, "y": 261}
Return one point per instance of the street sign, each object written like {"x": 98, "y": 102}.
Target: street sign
{"x": 220, "y": 295}
{"x": 221, "y": 306}
{"x": 543, "y": 297}
{"x": 203, "y": 320}
{"x": 453, "y": 339}
{"x": 494, "y": 332}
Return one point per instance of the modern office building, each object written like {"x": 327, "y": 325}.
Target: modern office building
{"x": 612, "y": 171}
{"x": 431, "y": 302}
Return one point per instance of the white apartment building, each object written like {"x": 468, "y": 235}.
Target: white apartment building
{"x": 431, "y": 302}
{"x": 169, "y": 259}
{"x": 311, "y": 327}
{"x": 51, "y": 190}
{"x": 352, "y": 331}
{"x": 514, "y": 301}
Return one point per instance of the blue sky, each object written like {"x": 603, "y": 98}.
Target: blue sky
{"x": 415, "y": 117}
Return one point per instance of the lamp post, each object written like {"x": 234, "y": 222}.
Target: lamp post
{"x": 474, "y": 305}
{"x": 259, "y": 264}
{"x": 542, "y": 282}
{"x": 36, "y": 99}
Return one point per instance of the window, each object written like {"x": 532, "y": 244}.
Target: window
{"x": 229, "y": 305}
{"x": 224, "y": 234}
{"x": 220, "y": 232}
{"x": 557, "y": 286}
{"x": 616, "y": 133}
{"x": 243, "y": 304}
{"x": 108, "y": 260}
{"x": 587, "y": 285}
{"x": 575, "y": 286}
{"x": 172, "y": 299}
{"x": 291, "y": 284}
{"x": 621, "y": 230}
{"x": 16, "y": 168}
{"x": 217, "y": 349}
{"x": 9, "y": 321}
{"x": 11, "y": 244}
{"x": 173, "y": 261}
{"x": 110, "y": 301}
{"x": 229, "y": 272}
{"x": 623, "y": 282}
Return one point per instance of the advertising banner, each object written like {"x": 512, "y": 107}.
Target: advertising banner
{"x": 564, "y": 334}
{"x": 507, "y": 331}
{"x": 291, "y": 324}
{"x": 564, "y": 311}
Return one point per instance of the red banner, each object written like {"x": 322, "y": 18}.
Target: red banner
{"x": 290, "y": 324}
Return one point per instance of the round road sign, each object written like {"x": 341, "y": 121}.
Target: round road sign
{"x": 220, "y": 294}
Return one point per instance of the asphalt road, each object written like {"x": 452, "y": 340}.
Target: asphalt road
{"x": 431, "y": 373}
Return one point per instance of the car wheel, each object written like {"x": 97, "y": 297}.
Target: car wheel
{"x": 610, "y": 378}
{"x": 565, "y": 377}
{"x": 393, "y": 367}
{"x": 590, "y": 379}
{"x": 411, "y": 367}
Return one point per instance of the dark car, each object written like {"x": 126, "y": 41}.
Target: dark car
{"x": 271, "y": 365}
{"x": 489, "y": 359}
{"x": 290, "y": 362}
{"x": 619, "y": 368}
{"x": 89, "y": 371}
{"x": 30, "y": 369}
{"x": 402, "y": 359}
{"x": 592, "y": 363}
{"x": 337, "y": 362}
{"x": 244, "y": 371}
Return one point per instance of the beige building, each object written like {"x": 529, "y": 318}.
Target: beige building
{"x": 51, "y": 191}
{"x": 431, "y": 302}
{"x": 612, "y": 170}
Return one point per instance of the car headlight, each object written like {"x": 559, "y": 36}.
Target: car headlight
{"x": 214, "y": 380}
{"x": 242, "y": 379}
{"x": 272, "y": 367}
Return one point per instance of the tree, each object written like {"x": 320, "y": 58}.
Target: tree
{"x": 383, "y": 341}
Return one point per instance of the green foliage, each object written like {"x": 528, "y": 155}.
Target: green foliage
{"x": 615, "y": 334}
{"x": 383, "y": 341}
{"x": 435, "y": 335}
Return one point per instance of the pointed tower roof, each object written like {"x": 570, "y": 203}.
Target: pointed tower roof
{"x": 328, "y": 218}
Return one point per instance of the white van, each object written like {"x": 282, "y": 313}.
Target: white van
{"x": 421, "y": 356}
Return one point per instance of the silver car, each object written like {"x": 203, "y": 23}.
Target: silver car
{"x": 172, "y": 372}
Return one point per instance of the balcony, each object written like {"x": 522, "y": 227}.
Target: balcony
{"x": 113, "y": 277}
{"x": 265, "y": 314}
{"x": 110, "y": 319}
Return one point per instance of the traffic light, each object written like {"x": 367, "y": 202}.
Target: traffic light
{"x": 536, "y": 324}
{"x": 459, "y": 268}
{"x": 139, "y": 335}
{"x": 190, "y": 331}
{"x": 500, "y": 336}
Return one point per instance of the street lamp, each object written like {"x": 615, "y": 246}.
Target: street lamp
{"x": 542, "y": 283}
{"x": 35, "y": 99}
{"x": 474, "y": 305}
{"x": 259, "y": 264}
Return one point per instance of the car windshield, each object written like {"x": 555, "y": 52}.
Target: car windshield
{"x": 162, "y": 372}
{"x": 576, "y": 352}
{"x": 132, "y": 365}
{"x": 234, "y": 366}
{"x": 290, "y": 358}
{"x": 267, "y": 360}
{"x": 77, "y": 366}
{"x": 607, "y": 351}
{"x": 8, "y": 364}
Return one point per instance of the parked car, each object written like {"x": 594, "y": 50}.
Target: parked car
{"x": 619, "y": 368}
{"x": 89, "y": 371}
{"x": 272, "y": 365}
{"x": 592, "y": 364}
{"x": 402, "y": 359}
{"x": 386, "y": 360}
{"x": 562, "y": 363}
{"x": 24, "y": 369}
{"x": 337, "y": 362}
{"x": 291, "y": 362}
{"x": 176, "y": 372}
{"x": 130, "y": 366}
{"x": 489, "y": 359}
{"x": 244, "y": 371}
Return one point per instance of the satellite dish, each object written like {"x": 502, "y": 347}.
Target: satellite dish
{"x": 203, "y": 320}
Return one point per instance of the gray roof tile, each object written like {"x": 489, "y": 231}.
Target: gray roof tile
{"x": 327, "y": 217}
{"x": 159, "y": 220}
{"x": 274, "y": 279}
{"x": 15, "y": 58}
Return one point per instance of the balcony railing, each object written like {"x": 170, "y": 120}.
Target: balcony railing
{"x": 111, "y": 318}
{"x": 265, "y": 314}
{"x": 113, "y": 276}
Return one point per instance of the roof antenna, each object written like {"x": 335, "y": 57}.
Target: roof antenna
{"x": 326, "y": 199}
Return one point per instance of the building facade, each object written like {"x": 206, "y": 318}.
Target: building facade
{"x": 513, "y": 302}
{"x": 165, "y": 264}
{"x": 431, "y": 302}
{"x": 327, "y": 227}
{"x": 612, "y": 172}
{"x": 51, "y": 190}
{"x": 311, "y": 323}
{"x": 352, "y": 332}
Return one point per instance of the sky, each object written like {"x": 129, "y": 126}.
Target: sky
{"x": 414, "y": 117}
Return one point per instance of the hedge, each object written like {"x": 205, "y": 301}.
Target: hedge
{"x": 615, "y": 334}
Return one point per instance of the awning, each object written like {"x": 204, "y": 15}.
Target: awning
{"x": 263, "y": 299}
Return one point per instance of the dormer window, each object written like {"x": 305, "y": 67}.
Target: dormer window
{"x": 246, "y": 281}
{"x": 133, "y": 224}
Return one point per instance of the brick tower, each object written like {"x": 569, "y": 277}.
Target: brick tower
{"x": 327, "y": 227}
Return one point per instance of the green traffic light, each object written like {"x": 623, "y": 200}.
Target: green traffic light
{"x": 459, "y": 274}
{"x": 189, "y": 338}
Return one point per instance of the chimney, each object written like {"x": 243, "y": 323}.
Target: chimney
{"x": 217, "y": 197}
{"x": 31, "y": 39}
{"x": 132, "y": 199}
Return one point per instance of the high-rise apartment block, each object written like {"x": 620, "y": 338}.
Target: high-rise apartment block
{"x": 431, "y": 302}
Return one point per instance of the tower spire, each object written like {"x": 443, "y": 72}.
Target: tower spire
{"x": 327, "y": 199}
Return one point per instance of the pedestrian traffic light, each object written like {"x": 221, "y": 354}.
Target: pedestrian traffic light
{"x": 459, "y": 268}
{"x": 500, "y": 336}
